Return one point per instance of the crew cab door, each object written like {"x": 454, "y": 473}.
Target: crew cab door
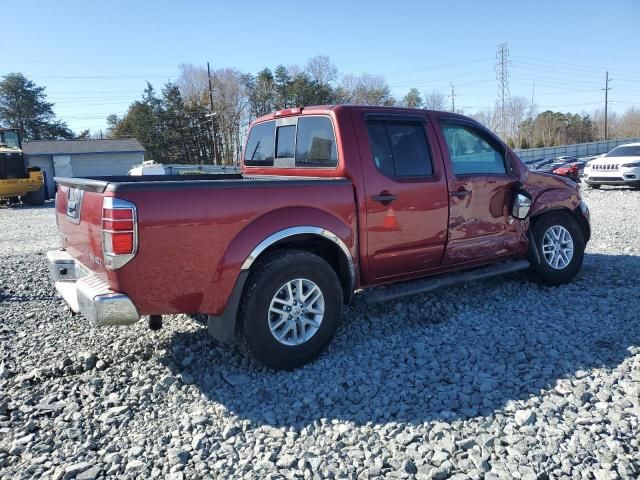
{"x": 482, "y": 184}
{"x": 406, "y": 199}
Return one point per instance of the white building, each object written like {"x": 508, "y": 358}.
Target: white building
{"x": 81, "y": 158}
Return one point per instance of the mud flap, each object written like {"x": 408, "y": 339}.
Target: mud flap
{"x": 223, "y": 327}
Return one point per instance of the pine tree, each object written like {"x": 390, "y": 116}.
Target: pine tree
{"x": 412, "y": 99}
{"x": 24, "y": 105}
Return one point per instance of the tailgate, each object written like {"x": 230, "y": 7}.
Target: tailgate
{"x": 79, "y": 218}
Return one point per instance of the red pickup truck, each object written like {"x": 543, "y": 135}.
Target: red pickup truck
{"x": 331, "y": 199}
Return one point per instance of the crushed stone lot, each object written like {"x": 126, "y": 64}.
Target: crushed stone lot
{"x": 498, "y": 380}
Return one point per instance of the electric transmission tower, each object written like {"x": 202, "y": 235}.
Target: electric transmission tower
{"x": 503, "y": 62}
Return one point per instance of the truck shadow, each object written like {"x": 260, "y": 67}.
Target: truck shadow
{"x": 449, "y": 355}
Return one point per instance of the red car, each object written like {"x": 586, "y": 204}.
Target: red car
{"x": 571, "y": 170}
{"x": 332, "y": 199}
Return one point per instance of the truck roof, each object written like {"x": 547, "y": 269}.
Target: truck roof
{"x": 320, "y": 109}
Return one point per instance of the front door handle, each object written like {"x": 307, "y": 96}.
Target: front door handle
{"x": 385, "y": 198}
{"x": 461, "y": 193}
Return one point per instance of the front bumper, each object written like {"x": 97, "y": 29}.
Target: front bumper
{"x": 619, "y": 176}
{"x": 88, "y": 294}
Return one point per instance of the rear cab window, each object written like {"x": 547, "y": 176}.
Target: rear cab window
{"x": 304, "y": 141}
{"x": 260, "y": 144}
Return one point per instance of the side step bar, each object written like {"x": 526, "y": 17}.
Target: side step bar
{"x": 414, "y": 287}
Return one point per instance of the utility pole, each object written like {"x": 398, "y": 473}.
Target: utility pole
{"x": 606, "y": 101}
{"x": 533, "y": 91}
{"x": 503, "y": 63}
{"x": 213, "y": 120}
{"x": 453, "y": 98}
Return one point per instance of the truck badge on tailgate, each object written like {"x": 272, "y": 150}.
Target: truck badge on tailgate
{"x": 74, "y": 202}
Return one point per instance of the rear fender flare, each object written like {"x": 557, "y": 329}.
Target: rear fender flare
{"x": 273, "y": 227}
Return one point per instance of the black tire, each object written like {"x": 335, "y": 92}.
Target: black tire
{"x": 593, "y": 185}
{"x": 269, "y": 276}
{"x": 545, "y": 271}
{"x": 35, "y": 198}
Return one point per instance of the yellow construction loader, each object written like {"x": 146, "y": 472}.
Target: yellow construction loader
{"x": 16, "y": 180}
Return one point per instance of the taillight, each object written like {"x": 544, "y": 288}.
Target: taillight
{"x": 119, "y": 232}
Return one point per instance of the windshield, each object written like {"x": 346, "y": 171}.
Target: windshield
{"x": 625, "y": 151}
{"x": 10, "y": 139}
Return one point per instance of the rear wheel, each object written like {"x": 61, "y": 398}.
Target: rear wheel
{"x": 290, "y": 310}
{"x": 561, "y": 245}
{"x": 35, "y": 198}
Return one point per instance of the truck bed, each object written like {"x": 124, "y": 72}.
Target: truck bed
{"x": 125, "y": 183}
{"x": 194, "y": 232}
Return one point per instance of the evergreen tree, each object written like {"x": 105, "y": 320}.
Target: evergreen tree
{"x": 412, "y": 99}
{"x": 282, "y": 81}
{"x": 24, "y": 105}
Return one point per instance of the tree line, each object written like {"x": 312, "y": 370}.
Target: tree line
{"x": 188, "y": 122}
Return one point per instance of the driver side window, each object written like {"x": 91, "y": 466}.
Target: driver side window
{"x": 470, "y": 153}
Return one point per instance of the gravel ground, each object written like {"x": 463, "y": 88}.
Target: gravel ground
{"x": 504, "y": 379}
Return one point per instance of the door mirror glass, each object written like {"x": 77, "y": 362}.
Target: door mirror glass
{"x": 521, "y": 205}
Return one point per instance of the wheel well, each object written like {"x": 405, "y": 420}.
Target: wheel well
{"x": 325, "y": 249}
{"x": 577, "y": 216}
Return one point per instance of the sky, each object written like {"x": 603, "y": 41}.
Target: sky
{"x": 95, "y": 57}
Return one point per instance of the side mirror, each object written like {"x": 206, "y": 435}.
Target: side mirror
{"x": 521, "y": 205}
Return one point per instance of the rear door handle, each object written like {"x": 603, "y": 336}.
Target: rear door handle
{"x": 383, "y": 198}
{"x": 461, "y": 193}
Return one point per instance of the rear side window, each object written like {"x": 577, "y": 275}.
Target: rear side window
{"x": 315, "y": 143}
{"x": 400, "y": 148}
{"x": 259, "y": 149}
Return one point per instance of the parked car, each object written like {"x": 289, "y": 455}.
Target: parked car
{"x": 621, "y": 166}
{"x": 533, "y": 161}
{"x": 331, "y": 199}
{"x": 566, "y": 158}
{"x": 550, "y": 167}
{"x": 570, "y": 170}
{"x": 538, "y": 165}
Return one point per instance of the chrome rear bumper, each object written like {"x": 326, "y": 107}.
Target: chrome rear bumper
{"x": 88, "y": 294}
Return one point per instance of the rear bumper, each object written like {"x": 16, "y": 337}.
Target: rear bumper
{"x": 88, "y": 294}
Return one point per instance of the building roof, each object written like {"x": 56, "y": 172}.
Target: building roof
{"x": 71, "y": 147}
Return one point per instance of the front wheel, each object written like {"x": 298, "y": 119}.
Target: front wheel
{"x": 561, "y": 245}
{"x": 290, "y": 310}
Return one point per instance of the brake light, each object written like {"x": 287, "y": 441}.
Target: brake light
{"x": 119, "y": 232}
{"x": 285, "y": 112}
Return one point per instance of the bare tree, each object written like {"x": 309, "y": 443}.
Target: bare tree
{"x": 630, "y": 123}
{"x": 321, "y": 70}
{"x": 489, "y": 117}
{"x": 518, "y": 110}
{"x": 364, "y": 90}
{"x": 193, "y": 84}
{"x": 230, "y": 104}
{"x": 435, "y": 101}
{"x": 345, "y": 93}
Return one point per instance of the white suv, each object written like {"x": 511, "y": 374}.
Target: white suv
{"x": 621, "y": 166}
